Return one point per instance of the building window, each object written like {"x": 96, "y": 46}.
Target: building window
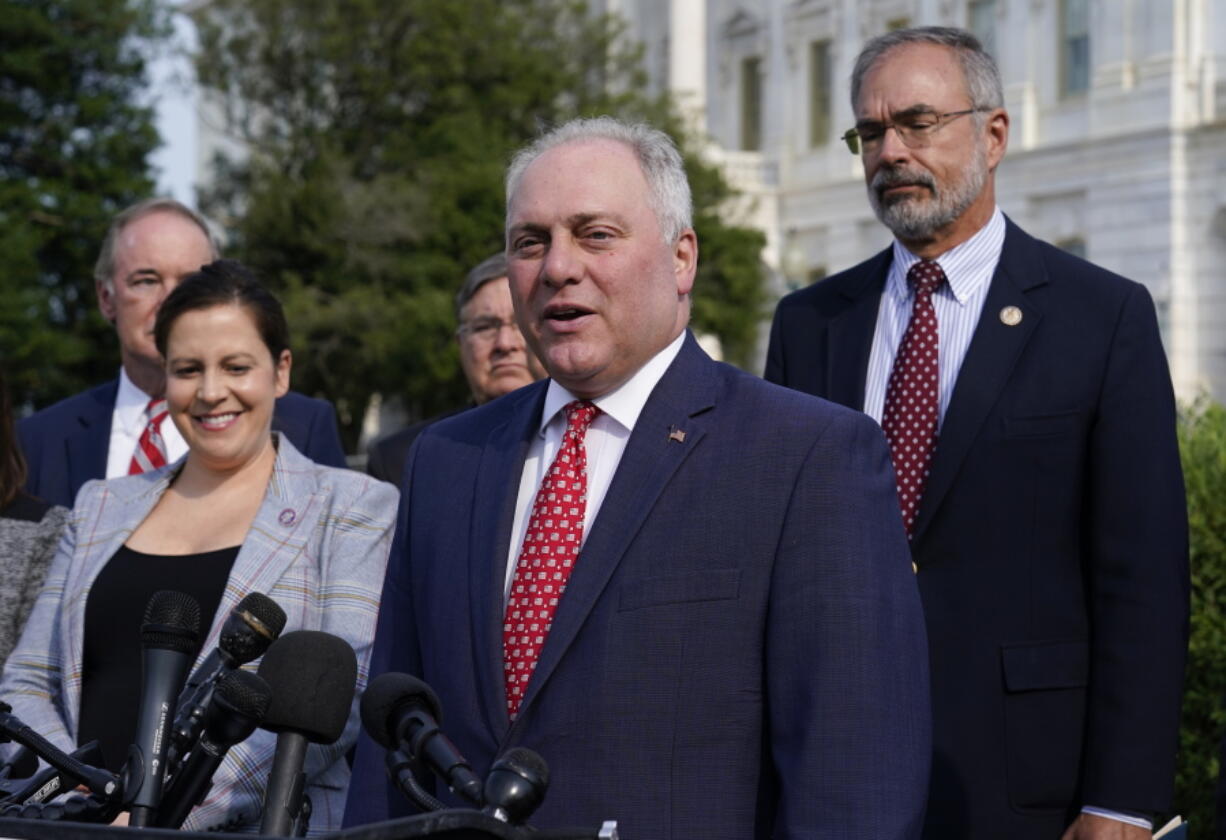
{"x": 1075, "y": 245}
{"x": 981, "y": 21}
{"x": 751, "y": 104}
{"x": 1075, "y": 47}
{"x": 819, "y": 93}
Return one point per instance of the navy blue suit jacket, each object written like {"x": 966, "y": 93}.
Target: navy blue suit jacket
{"x": 1051, "y": 539}
{"x": 739, "y": 652}
{"x": 66, "y": 444}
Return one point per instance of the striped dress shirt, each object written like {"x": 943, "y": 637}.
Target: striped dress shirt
{"x": 969, "y": 268}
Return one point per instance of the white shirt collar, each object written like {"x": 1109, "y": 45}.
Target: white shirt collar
{"x": 130, "y": 404}
{"x": 625, "y": 403}
{"x": 966, "y": 266}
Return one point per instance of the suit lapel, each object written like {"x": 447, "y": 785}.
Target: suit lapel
{"x": 993, "y": 352}
{"x": 651, "y": 458}
{"x": 280, "y": 531}
{"x": 498, "y": 476}
{"x": 105, "y": 527}
{"x": 87, "y": 446}
{"x": 849, "y": 335}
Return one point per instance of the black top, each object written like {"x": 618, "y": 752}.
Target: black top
{"x": 25, "y": 507}
{"x": 114, "y": 610}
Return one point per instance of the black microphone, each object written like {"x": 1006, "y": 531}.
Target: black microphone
{"x": 238, "y": 706}
{"x": 312, "y": 676}
{"x": 516, "y": 785}
{"x": 253, "y": 625}
{"x": 97, "y": 780}
{"x": 51, "y": 781}
{"x": 169, "y": 638}
{"x": 401, "y": 712}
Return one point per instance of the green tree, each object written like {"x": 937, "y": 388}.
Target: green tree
{"x": 379, "y": 131}
{"x": 1202, "y": 445}
{"x": 75, "y": 136}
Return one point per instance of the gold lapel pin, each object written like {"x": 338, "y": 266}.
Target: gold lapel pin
{"x": 677, "y": 435}
{"x": 1011, "y": 316}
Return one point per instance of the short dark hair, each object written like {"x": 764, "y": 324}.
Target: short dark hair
{"x": 104, "y": 268}
{"x": 222, "y": 283}
{"x": 12, "y": 464}
{"x": 490, "y": 268}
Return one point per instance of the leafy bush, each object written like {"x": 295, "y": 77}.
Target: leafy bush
{"x": 1202, "y": 446}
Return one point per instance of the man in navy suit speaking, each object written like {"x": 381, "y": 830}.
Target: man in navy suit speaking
{"x": 1028, "y": 405}
{"x": 149, "y": 248}
{"x": 687, "y": 589}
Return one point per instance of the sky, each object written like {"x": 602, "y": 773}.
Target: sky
{"x": 170, "y": 74}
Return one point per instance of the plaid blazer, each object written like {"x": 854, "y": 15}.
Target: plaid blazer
{"x": 318, "y": 547}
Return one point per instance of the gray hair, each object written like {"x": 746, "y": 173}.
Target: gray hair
{"x": 104, "y": 268}
{"x": 489, "y": 269}
{"x": 658, "y": 157}
{"x": 978, "y": 68}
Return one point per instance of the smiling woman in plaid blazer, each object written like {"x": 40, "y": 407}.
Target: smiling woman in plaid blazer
{"x": 243, "y": 512}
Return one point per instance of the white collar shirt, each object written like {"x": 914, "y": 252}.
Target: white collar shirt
{"x": 128, "y": 423}
{"x": 604, "y": 444}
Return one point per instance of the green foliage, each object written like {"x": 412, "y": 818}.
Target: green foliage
{"x": 1202, "y": 445}
{"x": 379, "y": 133}
{"x": 74, "y": 138}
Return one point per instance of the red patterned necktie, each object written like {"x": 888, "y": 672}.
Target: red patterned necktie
{"x": 912, "y": 397}
{"x": 150, "y": 451}
{"x": 551, "y": 545}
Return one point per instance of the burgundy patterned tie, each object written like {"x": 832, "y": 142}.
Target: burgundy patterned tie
{"x": 551, "y": 545}
{"x": 912, "y": 397}
{"x": 150, "y": 451}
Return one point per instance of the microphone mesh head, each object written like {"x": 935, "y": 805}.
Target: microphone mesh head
{"x": 528, "y": 763}
{"x": 387, "y": 693}
{"x": 312, "y": 676}
{"x": 267, "y": 611}
{"x": 172, "y": 622}
{"x": 247, "y": 693}
{"x": 250, "y": 628}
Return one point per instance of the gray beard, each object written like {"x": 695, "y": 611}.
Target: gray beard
{"x": 914, "y": 219}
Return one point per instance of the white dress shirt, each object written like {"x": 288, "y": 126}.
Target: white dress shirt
{"x": 604, "y": 444}
{"x": 128, "y": 423}
{"x": 968, "y": 268}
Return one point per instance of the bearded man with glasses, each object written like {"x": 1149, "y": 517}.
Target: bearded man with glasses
{"x": 1028, "y": 406}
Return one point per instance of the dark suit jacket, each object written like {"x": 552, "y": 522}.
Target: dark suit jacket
{"x": 386, "y": 457}
{"x": 66, "y": 444}
{"x": 739, "y": 652}
{"x": 1051, "y": 539}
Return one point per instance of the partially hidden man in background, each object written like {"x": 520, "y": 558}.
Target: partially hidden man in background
{"x": 1028, "y": 405}
{"x": 493, "y": 356}
{"x": 687, "y": 589}
{"x": 120, "y": 428}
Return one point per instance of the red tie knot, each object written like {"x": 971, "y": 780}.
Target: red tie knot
{"x": 579, "y": 415}
{"x": 926, "y": 277}
{"x": 156, "y": 411}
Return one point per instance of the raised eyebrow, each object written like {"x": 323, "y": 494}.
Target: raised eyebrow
{"x": 581, "y": 219}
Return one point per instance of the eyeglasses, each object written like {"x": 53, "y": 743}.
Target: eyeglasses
{"x": 486, "y": 329}
{"x": 915, "y": 130}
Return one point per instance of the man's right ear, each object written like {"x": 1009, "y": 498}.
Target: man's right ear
{"x": 106, "y": 299}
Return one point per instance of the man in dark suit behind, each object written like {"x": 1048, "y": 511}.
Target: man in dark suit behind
{"x": 148, "y": 249}
{"x": 739, "y": 651}
{"x": 493, "y": 356}
{"x": 1038, "y": 471}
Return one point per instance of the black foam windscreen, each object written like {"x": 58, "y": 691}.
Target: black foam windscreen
{"x": 386, "y": 694}
{"x": 172, "y": 622}
{"x": 312, "y": 676}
